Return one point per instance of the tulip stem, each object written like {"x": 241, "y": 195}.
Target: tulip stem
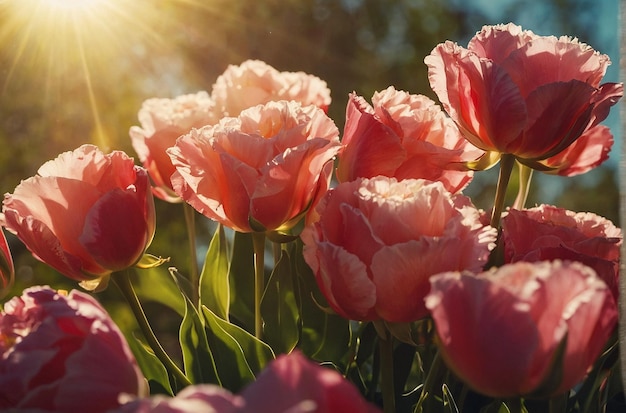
{"x": 194, "y": 279}
{"x": 385, "y": 347}
{"x": 516, "y": 405}
{"x": 122, "y": 280}
{"x": 506, "y": 166}
{"x": 258, "y": 242}
{"x": 525, "y": 176}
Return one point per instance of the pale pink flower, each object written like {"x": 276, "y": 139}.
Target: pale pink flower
{"x": 255, "y": 82}
{"x": 514, "y": 92}
{"x": 501, "y": 331}
{"x": 260, "y": 171}
{"x": 63, "y": 354}
{"x": 162, "y": 122}
{"x": 379, "y": 240}
{"x": 403, "y": 136}
{"x": 85, "y": 213}
{"x": 546, "y": 232}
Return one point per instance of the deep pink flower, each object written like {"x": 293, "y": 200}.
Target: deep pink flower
{"x": 255, "y": 82}
{"x": 403, "y": 136}
{"x": 500, "y": 331}
{"x": 547, "y": 233}
{"x": 260, "y": 171}
{"x": 300, "y": 385}
{"x": 85, "y": 213}
{"x": 64, "y": 354}
{"x": 514, "y": 92}
{"x": 162, "y": 122}
{"x": 378, "y": 241}
{"x": 289, "y": 384}
{"x": 201, "y": 398}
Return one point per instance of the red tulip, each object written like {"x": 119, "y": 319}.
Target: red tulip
{"x": 255, "y": 83}
{"x": 514, "y": 92}
{"x": 547, "y": 233}
{"x": 403, "y": 136}
{"x": 63, "y": 354}
{"x": 162, "y": 122}
{"x": 260, "y": 171}
{"x": 501, "y": 331}
{"x": 86, "y": 214}
{"x": 378, "y": 241}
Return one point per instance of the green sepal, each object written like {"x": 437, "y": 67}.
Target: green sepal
{"x": 150, "y": 261}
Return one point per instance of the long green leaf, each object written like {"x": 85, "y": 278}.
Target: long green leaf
{"x": 198, "y": 359}
{"x": 279, "y": 308}
{"x": 152, "y": 369}
{"x": 156, "y": 284}
{"x": 214, "y": 284}
{"x": 238, "y": 354}
{"x": 241, "y": 277}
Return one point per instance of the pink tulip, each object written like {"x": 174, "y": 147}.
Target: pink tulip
{"x": 403, "y": 136}
{"x": 547, "y": 233}
{"x": 64, "y": 354}
{"x": 514, "y": 92}
{"x": 289, "y": 384}
{"x": 200, "y": 398}
{"x": 86, "y": 214}
{"x": 255, "y": 82}
{"x": 501, "y": 331}
{"x": 260, "y": 171}
{"x": 378, "y": 241}
{"x": 7, "y": 270}
{"x": 299, "y": 386}
{"x": 589, "y": 151}
{"x": 162, "y": 122}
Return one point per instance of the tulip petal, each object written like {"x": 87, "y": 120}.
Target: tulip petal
{"x": 366, "y": 137}
{"x": 115, "y": 231}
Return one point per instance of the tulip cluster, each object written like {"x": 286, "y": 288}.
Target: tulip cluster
{"x": 389, "y": 289}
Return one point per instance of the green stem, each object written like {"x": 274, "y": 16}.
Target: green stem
{"x": 506, "y": 166}
{"x": 122, "y": 280}
{"x": 193, "y": 265}
{"x": 258, "y": 242}
{"x": 525, "y": 176}
{"x": 385, "y": 347}
{"x": 435, "y": 374}
{"x": 516, "y": 406}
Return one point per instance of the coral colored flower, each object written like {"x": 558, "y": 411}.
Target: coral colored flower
{"x": 547, "y": 233}
{"x": 85, "y": 213}
{"x": 403, "y": 136}
{"x": 289, "y": 384}
{"x": 255, "y": 82}
{"x": 501, "y": 331}
{"x": 162, "y": 122}
{"x": 7, "y": 270}
{"x": 64, "y": 354}
{"x": 514, "y": 92}
{"x": 589, "y": 151}
{"x": 378, "y": 241}
{"x": 260, "y": 171}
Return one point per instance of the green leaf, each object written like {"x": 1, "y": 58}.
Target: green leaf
{"x": 241, "y": 277}
{"x": 156, "y": 284}
{"x": 198, "y": 359}
{"x": 150, "y": 261}
{"x": 151, "y": 367}
{"x": 279, "y": 308}
{"x": 214, "y": 285}
{"x": 238, "y": 354}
